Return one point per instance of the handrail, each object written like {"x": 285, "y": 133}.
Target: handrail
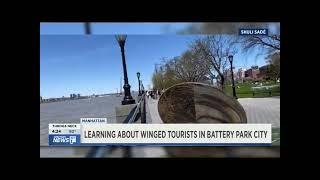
{"x": 101, "y": 151}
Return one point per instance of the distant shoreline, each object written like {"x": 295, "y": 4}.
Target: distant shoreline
{"x": 68, "y": 99}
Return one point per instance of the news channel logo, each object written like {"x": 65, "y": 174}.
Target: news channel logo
{"x": 64, "y": 139}
{"x": 253, "y": 32}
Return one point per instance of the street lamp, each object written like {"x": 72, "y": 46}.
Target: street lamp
{"x": 142, "y": 87}
{"x": 233, "y": 87}
{"x": 87, "y": 28}
{"x": 127, "y": 99}
{"x": 138, "y": 75}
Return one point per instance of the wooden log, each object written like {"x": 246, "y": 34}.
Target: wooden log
{"x": 192, "y": 102}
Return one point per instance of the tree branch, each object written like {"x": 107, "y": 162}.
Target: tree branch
{"x": 265, "y": 43}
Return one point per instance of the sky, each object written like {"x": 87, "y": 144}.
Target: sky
{"x": 71, "y": 62}
{"x": 112, "y": 28}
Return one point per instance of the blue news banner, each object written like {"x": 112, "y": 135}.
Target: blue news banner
{"x": 208, "y": 134}
{"x": 64, "y": 135}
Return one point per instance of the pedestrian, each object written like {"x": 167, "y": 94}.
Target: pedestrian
{"x": 153, "y": 94}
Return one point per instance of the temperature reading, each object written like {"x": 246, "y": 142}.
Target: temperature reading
{"x": 72, "y": 131}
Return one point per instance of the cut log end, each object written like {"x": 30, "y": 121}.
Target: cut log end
{"x": 199, "y": 103}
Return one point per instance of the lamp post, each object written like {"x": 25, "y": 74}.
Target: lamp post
{"x": 138, "y": 75}
{"x": 127, "y": 99}
{"x": 87, "y": 28}
{"x": 233, "y": 87}
{"x": 142, "y": 87}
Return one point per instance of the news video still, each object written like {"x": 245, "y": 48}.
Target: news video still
{"x": 160, "y": 90}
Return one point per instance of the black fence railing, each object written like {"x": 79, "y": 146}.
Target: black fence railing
{"x": 138, "y": 112}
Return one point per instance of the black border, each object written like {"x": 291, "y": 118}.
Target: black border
{"x": 29, "y": 73}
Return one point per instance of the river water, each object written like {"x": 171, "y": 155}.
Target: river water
{"x": 72, "y": 110}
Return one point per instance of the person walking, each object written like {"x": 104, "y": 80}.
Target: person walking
{"x": 155, "y": 94}
{"x": 151, "y": 94}
{"x": 148, "y": 94}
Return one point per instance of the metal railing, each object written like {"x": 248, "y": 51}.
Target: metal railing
{"x": 138, "y": 112}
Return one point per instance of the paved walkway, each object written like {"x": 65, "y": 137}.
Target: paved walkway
{"x": 258, "y": 110}
{"x": 152, "y": 110}
{"x": 262, "y": 110}
{"x": 153, "y": 117}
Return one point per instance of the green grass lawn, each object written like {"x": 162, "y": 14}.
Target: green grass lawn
{"x": 245, "y": 91}
{"x": 275, "y": 136}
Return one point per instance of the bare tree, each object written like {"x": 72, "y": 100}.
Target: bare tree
{"x": 164, "y": 75}
{"x": 266, "y": 44}
{"x": 215, "y": 49}
{"x": 274, "y": 65}
{"x": 170, "y": 74}
{"x": 158, "y": 78}
{"x": 231, "y": 28}
{"x": 191, "y": 68}
{"x": 270, "y": 43}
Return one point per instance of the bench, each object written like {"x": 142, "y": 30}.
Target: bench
{"x": 263, "y": 89}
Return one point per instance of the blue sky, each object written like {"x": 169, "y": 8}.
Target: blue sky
{"x": 91, "y": 64}
{"x": 112, "y": 28}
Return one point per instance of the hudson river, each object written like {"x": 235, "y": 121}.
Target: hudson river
{"x": 72, "y": 110}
